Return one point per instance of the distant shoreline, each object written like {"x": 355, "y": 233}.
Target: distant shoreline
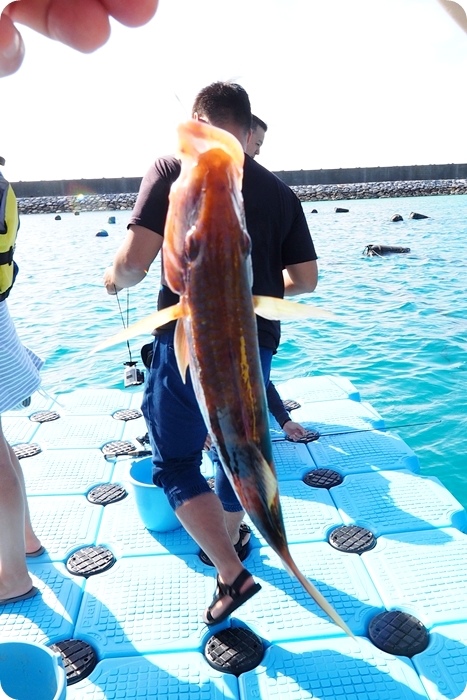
{"x": 306, "y": 193}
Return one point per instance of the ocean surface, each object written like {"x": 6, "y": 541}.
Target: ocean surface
{"x": 400, "y": 333}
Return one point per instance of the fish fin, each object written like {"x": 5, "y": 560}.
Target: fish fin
{"x": 271, "y": 498}
{"x": 269, "y": 486}
{"x": 182, "y": 351}
{"x": 319, "y": 598}
{"x": 270, "y": 481}
{"x": 276, "y": 309}
{"x": 144, "y": 326}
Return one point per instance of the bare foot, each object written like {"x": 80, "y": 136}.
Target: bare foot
{"x": 33, "y": 543}
{"x": 15, "y": 588}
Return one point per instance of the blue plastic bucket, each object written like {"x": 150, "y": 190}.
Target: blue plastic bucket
{"x": 29, "y": 670}
{"x": 151, "y": 501}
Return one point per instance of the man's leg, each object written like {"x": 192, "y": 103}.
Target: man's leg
{"x": 177, "y": 434}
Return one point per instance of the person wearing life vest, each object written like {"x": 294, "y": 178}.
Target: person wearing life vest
{"x": 19, "y": 378}
{"x": 9, "y": 225}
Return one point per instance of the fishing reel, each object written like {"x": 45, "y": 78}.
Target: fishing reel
{"x": 132, "y": 376}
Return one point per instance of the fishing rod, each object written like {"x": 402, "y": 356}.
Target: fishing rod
{"x": 131, "y": 375}
{"x": 391, "y": 427}
{"x": 315, "y": 435}
{"x": 312, "y": 436}
{"x": 115, "y": 456}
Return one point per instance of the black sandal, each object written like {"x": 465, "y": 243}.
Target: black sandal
{"x": 232, "y": 590}
{"x": 242, "y": 549}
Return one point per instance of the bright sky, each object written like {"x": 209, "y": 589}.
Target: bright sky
{"x": 340, "y": 83}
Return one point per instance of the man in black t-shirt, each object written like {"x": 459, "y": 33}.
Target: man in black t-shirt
{"x": 293, "y": 430}
{"x": 284, "y": 262}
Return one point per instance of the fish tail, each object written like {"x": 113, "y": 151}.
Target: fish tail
{"x": 316, "y": 595}
{"x": 269, "y": 522}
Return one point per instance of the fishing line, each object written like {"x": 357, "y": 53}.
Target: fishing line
{"x": 127, "y": 315}
{"x": 363, "y": 430}
{"x": 45, "y": 394}
{"x": 391, "y": 427}
{"x": 131, "y": 375}
{"x": 180, "y": 102}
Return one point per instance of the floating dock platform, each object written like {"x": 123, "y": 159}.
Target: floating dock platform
{"x": 123, "y": 605}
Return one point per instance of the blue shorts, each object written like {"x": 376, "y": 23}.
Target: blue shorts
{"x": 177, "y": 431}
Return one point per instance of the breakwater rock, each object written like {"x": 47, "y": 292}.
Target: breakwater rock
{"x": 76, "y": 204}
{"x": 379, "y": 190}
{"x": 306, "y": 193}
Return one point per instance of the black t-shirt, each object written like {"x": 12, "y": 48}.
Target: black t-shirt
{"x": 275, "y": 222}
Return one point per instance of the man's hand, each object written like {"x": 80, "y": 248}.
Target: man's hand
{"x": 109, "y": 282}
{"x": 82, "y": 24}
{"x": 294, "y": 430}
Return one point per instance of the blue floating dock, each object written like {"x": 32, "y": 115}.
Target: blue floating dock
{"x": 142, "y": 614}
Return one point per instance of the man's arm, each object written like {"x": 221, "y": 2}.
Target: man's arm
{"x": 275, "y": 405}
{"x": 133, "y": 259}
{"x": 300, "y": 278}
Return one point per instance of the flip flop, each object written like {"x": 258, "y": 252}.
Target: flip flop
{"x": 18, "y": 598}
{"x": 37, "y": 552}
{"x": 240, "y": 547}
{"x": 233, "y": 591}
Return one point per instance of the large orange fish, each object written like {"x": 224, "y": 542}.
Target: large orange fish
{"x": 206, "y": 254}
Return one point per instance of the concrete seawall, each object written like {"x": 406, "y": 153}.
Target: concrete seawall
{"x": 379, "y": 190}
{"x": 306, "y": 193}
{"x": 76, "y": 204}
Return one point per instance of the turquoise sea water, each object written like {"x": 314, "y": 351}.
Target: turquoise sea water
{"x": 400, "y": 334}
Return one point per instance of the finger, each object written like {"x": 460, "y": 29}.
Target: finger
{"x": 111, "y": 289}
{"x": 32, "y": 13}
{"x": 84, "y": 26}
{"x": 131, "y": 14}
{"x": 457, "y": 11}
{"x": 11, "y": 47}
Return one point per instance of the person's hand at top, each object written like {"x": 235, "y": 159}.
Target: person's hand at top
{"x": 82, "y": 24}
{"x": 457, "y": 10}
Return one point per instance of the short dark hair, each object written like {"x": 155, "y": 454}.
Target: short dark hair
{"x": 256, "y": 121}
{"x": 224, "y": 102}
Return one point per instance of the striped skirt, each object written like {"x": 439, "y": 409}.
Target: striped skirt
{"x": 19, "y": 366}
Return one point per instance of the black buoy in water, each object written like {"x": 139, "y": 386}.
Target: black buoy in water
{"x": 380, "y": 250}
